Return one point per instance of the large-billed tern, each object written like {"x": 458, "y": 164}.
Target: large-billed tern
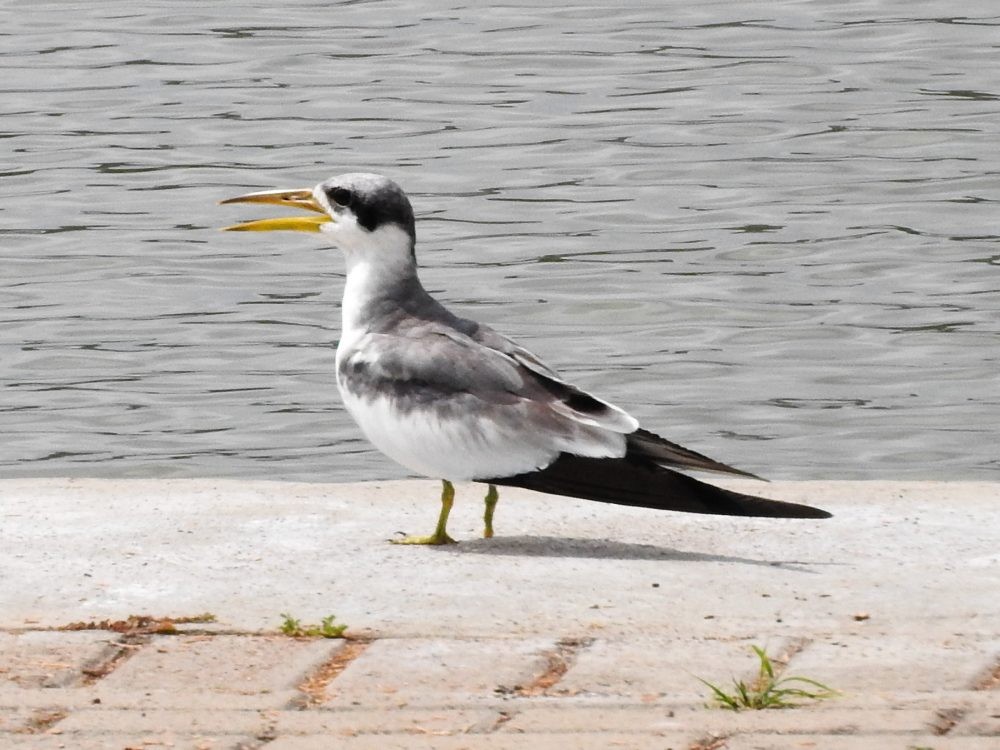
{"x": 452, "y": 399}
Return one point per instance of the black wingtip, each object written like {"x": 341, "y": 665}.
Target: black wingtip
{"x": 644, "y": 484}
{"x": 790, "y": 510}
{"x": 817, "y": 513}
{"x": 644, "y": 444}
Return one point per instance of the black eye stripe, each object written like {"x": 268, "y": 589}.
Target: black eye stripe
{"x": 371, "y": 201}
{"x": 340, "y": 196}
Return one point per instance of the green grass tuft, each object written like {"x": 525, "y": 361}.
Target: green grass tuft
{"x": 769, "y": 690}
{"x": 328, "y": 628}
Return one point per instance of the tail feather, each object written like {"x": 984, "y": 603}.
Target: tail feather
{"x": 637, "y": 481}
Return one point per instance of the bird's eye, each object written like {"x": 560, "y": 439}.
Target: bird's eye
{"x": 340, "y": 196}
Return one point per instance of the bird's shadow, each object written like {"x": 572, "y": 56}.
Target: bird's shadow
{"x": 603, "y": 549}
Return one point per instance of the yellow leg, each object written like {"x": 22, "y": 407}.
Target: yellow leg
{"x": 440, "y": 535}
{"x": 491, "y": 504}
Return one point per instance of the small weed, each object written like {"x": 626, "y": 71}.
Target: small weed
{"x": 768, "y": 690}
{"x": 327, "y": 628}
{"x": 290, "y": 625}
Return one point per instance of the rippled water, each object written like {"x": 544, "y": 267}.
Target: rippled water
{"x": 768, "y": 229}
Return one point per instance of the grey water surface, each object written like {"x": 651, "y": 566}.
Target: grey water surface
{"x": 769, "y": 230}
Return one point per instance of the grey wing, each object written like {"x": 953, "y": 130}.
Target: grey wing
{"x": 489, "y": 338}
{"x": 436, "y": 367}
{"x": 580, "y": 404}
{"x": 641, "y": 442}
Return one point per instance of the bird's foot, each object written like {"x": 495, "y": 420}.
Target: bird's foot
{"x": 440, "y": 535}
{"x": 432, "y": 539}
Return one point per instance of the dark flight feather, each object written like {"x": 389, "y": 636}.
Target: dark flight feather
{"x": 646, "y": 444}
{"x": 635, "y": 480}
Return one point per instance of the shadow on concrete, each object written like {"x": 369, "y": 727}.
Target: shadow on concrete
{"x": 604, "y": 549}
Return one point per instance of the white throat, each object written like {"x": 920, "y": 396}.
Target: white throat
{"x": 376, "y": 263}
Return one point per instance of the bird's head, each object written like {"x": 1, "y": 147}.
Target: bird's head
{"x": 361, "y": 213}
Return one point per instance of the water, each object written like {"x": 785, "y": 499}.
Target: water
{"x": 770, "y": 230}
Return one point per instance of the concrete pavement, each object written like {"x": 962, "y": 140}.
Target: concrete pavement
{"x": 580, "y": 625}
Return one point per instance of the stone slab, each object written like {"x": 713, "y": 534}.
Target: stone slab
{"x": 244, "y": 665}
{"x": 398, "y": 672}
{"x": 49, "y": 659}
{"x": 934, "y": 661}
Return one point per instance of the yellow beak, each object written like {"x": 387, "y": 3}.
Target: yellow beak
{"x": 302, "y": 198}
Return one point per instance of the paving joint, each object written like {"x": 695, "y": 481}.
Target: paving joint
{"x": 42, "y": 720}
{"x": 312, "y": 690}
{"x": 791, "y": 648}
{"x": 711, "y": 742}
{"x": 946, "y": 719}
{"x": 262, "y": 739}
{"x": 558, "y": 662}
{"x": 114, "y": 656}
{"x": 990, "y": 677}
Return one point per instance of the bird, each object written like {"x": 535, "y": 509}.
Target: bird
{"x": 453, "y": 399}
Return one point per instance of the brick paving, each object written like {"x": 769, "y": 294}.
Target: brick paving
{"x": 208, "y": 689}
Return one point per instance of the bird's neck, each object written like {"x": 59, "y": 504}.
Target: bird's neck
{"x": 376, "y": 285}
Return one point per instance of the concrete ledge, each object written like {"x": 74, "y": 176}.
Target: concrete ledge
{"x": 906, "y": 554}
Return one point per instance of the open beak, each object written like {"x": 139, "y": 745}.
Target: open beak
{"x": 302, "y": 198}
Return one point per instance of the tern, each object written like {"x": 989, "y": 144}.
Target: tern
{"x": 452, "y": 399}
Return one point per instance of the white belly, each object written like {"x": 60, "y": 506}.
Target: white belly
{"x": 445, "y": 448}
